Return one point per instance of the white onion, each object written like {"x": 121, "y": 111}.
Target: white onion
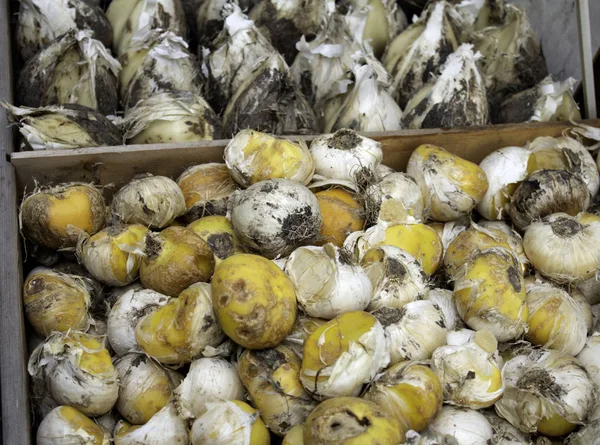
{"x": 64, "y": 425}
{"x": 165, "y": 427}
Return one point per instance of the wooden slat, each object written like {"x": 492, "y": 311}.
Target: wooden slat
{"x": 117, "y": 165}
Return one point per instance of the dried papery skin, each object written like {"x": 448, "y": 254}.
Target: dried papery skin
{"x": 156, "y": 62}
{"x": 546, "y": 392}
{"x": 63, "y": 127}
{"x": 73, "y": 69}
{"x": 547, "y": 101}
{"x": 397, "y": 278}
{"x": 450, "y": 230}
{"x": 586, "y": 435}
{"x": 269, "y": 100}
{"x": 396, "y": 199}
{"x": 341, "y": 212}
{"x": 165, "y": 427}
{"x": 460, "y": 426}
{"x": 504, "y": 432}
{"x": 171, "y": 116}
{"x": 456, "y": 98}
{"x": 445, "y": 301}
{"x": 42, "y": 21}
{"x": 414, "y": 57}
{"x": 210, "y": 19}
{"x": 350, "y": 420}
{"x": 152, "y": 201}
{"x": 56, "y": 302}
{"x": 589, "y": 357}
{"x": 590, "y": 289}
{"x": 208, "y": 380}
{"x": 65, "y": 425}
{"x": 303, "y": 327}
{"x": 272, "y": 378}
{"x": 130, "y": 19}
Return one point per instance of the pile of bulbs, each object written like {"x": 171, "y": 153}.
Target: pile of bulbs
{"x": 315, "y": 295}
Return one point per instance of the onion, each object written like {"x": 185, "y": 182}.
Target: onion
{"x": 341, "y": 212}
{"x": 218, "y": 233}
{"x": 165, "y": 427}
{"x": 589, "y": 357}
{"x": 396, "y": 199}
{"x": 303, "y": 327}
{"x": 504, "y": 432}
{"x": 444, "y": 300}
{"x": 65, "y": 425}
{"x": 460, "y": 426}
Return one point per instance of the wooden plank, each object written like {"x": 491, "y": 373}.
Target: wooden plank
{"x": 117, "y": 165}
{"x": 587, "y": 65}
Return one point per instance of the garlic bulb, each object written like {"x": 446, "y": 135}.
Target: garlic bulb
{"x": 413, "y": 331}
{"x": 252, "y": 157}
{"x": 133, "y": 304}
{"x": 206, "y": 189}
{"x": 145, "y": 387}
{"x": 77, "y": 371}
{"x": 343, "y": 354}
{"x": 56, "y": 216}
{"x": 505, "y": 169}
{"x": 268, "y": 100}
{"x": 545, "y": 102}
{"x": 451, "y": 186}
{"x": 414, "y": 57}
{"x": 460, "y": 426}
{"x": 112, "y": 255}
{"x": 456, "y": 98}
{"x": 42, "y": 21}
{"x": 171, "y": 116}
{"x": 65, "y": 425}
{"x": 272, "y": 377}
{"x": 63, "y": 127}
{"x": 326, "y": 283}
{"x": 563, "y": 248}
{"x": 152, "y": 201}
{"x": 73, "y": 69}
{"x": 218, "y": 233}
{"x": 469, "y": 373}
{"x": 589, "y": 357}
{"x": 348, "y": 420}
{"x": 303, "y": 327}
{"x": 396, "y": 277}
{"x": 410, "y": 392}
{"x": 276, "y": 216}
{"x": 132, "y": 18}
{"x": 56, "y": 302}
{"x": 546, "y": 392}
{"x": 444, "y": 300}
{"x": 156, "y": 61}
{"x": 396, "y": 199}
{"x": 208, "y": 380}
{"x": 237, "y": 48}
{"x": 165, "y": 427}
{"x": 179, "y": 331}
{"x": 556, "y": 320}
{"x": 366, "y": 104}
{"x": 504, "y": 432}
{"x": 342, "y": 213}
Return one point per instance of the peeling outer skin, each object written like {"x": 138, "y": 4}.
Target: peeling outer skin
{"x": 63, "y": 127}
{"x": 459, "y": 426}
{"x": 303, "y": 327}
{"x": 444, "y": 300}
{"x": 165, "y": 427}
{"x": 41, "y": 21}
{"x": 546, "y": 192}
{"x": 73, "y": 69}
{"x": 414, "y": 57}
{"x": 504, "y": 432}
{"x": 69, "y": 426}
{"x": 269, "y": 101}
{"x": 209, "y": 20}
{"x": 396, "y": 199}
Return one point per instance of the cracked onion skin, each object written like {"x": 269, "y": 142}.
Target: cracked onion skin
{"x": 254, "y": 301}
{"x": 351, "y": 421}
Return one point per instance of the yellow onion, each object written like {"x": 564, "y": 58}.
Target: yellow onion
{"x": 272, "y": 377}
{"x": 165, "y": 427}
{"x": 490, "y": 294}
{"x": 112, "y": 255}
{"x": 252, "y": 157}
{"x": 206, "y": 189}
{"x": 505, "y": 169}
{"x": 547, "y": 392}
{"x": 229, "y": 423}
{"x": 153, "y": 201}
{"x": 470, "y": 373}
{"x": 77, "y": 370}
{"x": 145, "y": 387}
{"x": 546, "y": 192}
{"x": 55, "y": 217}
{"x": 55, "y": 301}
{"x": 410, "y": 392}
{"x": 209, "y": 379}
{"x": 218, "y": 233}
{"x": 343, "y": 354}
{"x": 303, "y": 327}
{"x": 254, "y": 301}
{"x": 556, "y": 320}
{"x": 351, "y": 421}
{"x": 460, "y": 426}
{"x": 396, "y": 199}
{"x": 65, "y": 425}
{"x": 175, "y": 259}
{"x": 397, "y": 278}
{"x": 295, "y": 436}
{"x": 451, "y": 186}
{"x": 564, "y": 248}
{"x": 341, "y": 213}
{"x": 327, "y": 284}
{"x": 180, "y": 330}
{"x": 413, "y": 331}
